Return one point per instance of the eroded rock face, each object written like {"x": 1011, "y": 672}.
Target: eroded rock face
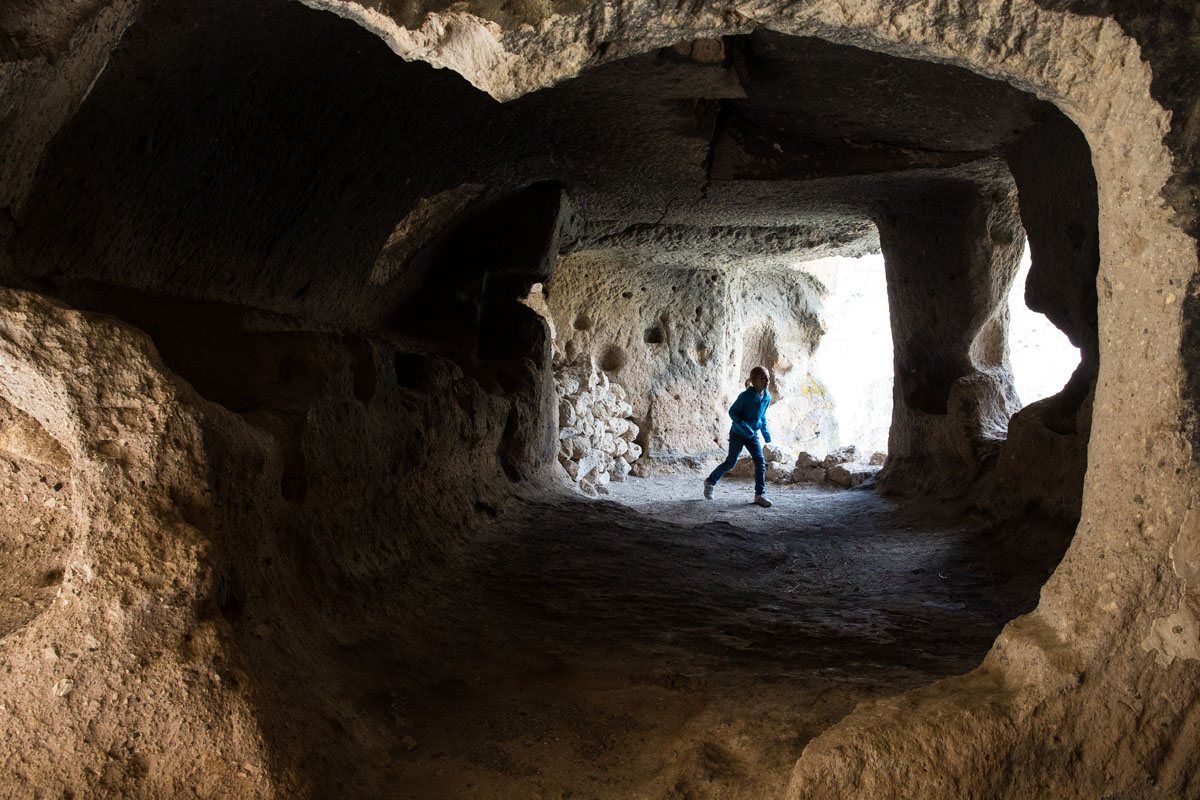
{"x": 232, "y": 528}
{"x": 37, "y": 523}
{"x": 950, "y": 258}
{"x": 128, "y": 629}
{"x": 682, "y": 340}
{"x": 184, "y": 540}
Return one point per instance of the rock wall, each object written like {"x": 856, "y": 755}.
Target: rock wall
{"x": 776, "y": 320}
{"x": 1115, "y": 620}
{"x": 36, "y": 523}
{"x": 1044, "y": 458}
{"x": 185, "y": 529}
{"x": 50, "y": 57}
{"x": 218, "y": 510}
{"x": 124, "y": 632}
{"x": 215, "y": 550}
{"x": 680, "y": 341}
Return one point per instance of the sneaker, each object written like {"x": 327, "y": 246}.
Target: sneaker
{"x": 708, "y": 487}
{"x": 761, "y": 500}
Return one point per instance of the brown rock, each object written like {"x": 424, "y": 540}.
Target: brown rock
{"x": 808, "y": 475}
{"x": 847, "y": 476}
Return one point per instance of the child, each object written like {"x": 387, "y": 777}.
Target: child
{"x": 749, "y": 415}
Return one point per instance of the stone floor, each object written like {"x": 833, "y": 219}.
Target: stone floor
{"x": 657, "y": 645}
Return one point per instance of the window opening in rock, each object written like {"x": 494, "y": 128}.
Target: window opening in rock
{"x": 854, "y": 360}
{"x": 1042, "y": 357}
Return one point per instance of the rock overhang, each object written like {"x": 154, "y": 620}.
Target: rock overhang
{"x": 749, "y": 145}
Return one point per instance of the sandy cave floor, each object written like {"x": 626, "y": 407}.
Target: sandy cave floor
{"x": 656, "y": 645}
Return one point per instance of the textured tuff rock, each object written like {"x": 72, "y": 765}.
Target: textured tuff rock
{"x": 170, "y": 528}
{"x": 777, "y": 458}
{"x": 130, "y": 629}
{"x": 682, "y": 340}
{"x": 230, "y": 539}
{"x": 953, "y": 391}
{"x": 844, "y": 455}
{"x": 808, "y": 474}
{"x": 848, "y": 476}
{"x": 842, "y": 468}
{"x": 596, "y": 436}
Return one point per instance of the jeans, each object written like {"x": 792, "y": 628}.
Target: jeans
{"x": 736, "y": 443}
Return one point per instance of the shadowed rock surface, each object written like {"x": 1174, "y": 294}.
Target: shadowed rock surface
{"x": 635, "y": 648}
{"x": 283, "y": 508}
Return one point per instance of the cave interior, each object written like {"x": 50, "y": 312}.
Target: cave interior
{"x": 331, "y": 253}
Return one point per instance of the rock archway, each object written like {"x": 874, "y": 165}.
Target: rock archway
{"x": 288, "y": 442}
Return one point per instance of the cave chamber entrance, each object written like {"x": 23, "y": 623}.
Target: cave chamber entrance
{"x": 384, "y": 296}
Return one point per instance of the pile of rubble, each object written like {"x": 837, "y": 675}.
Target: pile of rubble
{"x": 595, "y": 432}
{"x": 840, "y": 468}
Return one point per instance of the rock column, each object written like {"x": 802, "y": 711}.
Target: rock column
{"x": 951, "y": 253}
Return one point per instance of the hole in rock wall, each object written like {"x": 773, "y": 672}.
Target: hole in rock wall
{"x": 613, "y": 359}
{"x": 854, "y": 359}
{"x": 510, "y": 454}
{"x": 362, "y": 366}
{"x": 409, "y": 369}
{"x": 1042, "y": 357}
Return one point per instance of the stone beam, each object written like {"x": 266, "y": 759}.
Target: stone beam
{"x": 744, "y": 151}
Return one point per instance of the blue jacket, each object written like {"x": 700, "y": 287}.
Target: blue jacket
{"x": 749, "y": 414}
